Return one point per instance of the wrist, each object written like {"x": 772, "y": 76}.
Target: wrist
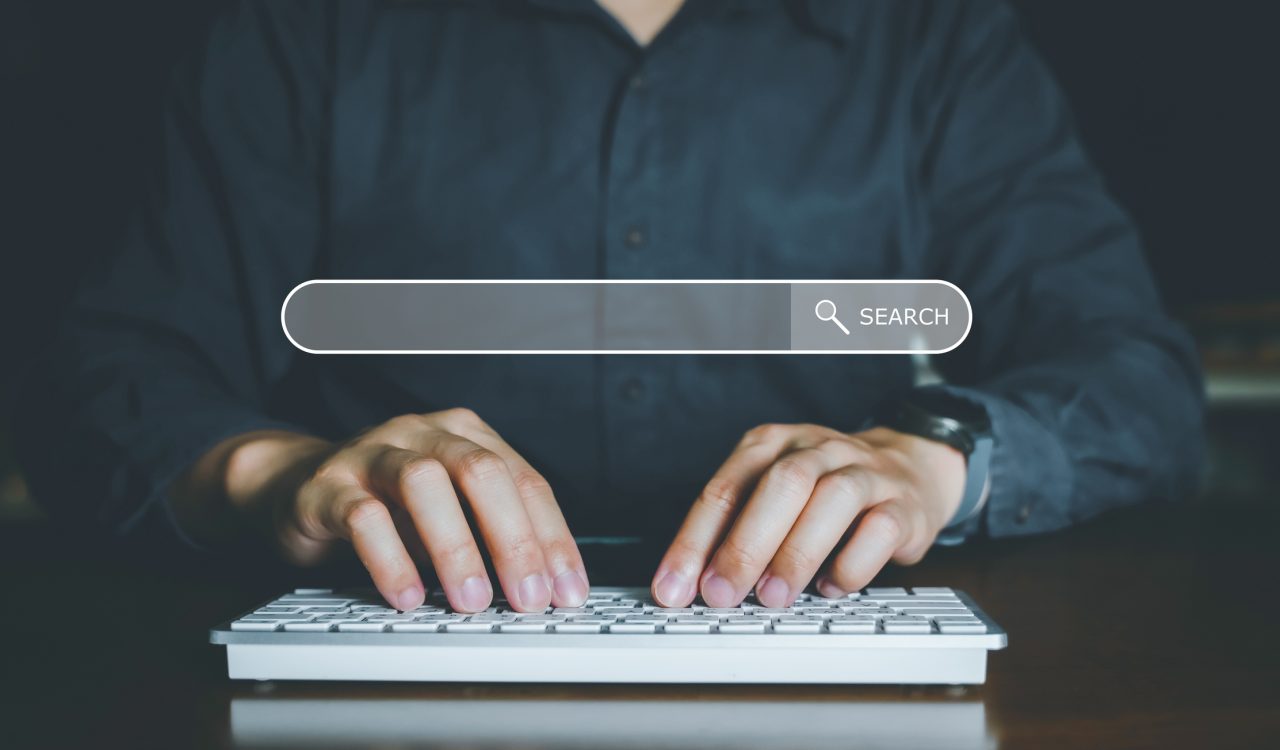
{"x": 233, "y": 488}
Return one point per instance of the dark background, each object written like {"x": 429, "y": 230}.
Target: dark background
{"x": 1175, "y": 100}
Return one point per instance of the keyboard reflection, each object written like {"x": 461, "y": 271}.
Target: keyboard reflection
{"x": 514, "y": 718}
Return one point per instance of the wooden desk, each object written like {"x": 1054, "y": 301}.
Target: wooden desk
{"x": 1153, "y": 628}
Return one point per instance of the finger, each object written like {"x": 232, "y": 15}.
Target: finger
{"x": 880, "y": 533}
{"x": 780, "y": 496}
{"x": 675, "y": 582}
{"x": 352, "y": 513}
{"x": 569, "y": 586}
{"x": 423, "y": 488}
{"x": 837, "y": 499}
{"x": 486, "y": 483}
{"x": 564, "y": 561}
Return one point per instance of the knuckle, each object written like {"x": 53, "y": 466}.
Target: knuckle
{"x": 735, "y": 556}
{"x": 459, "y": 553}
{"x": 326, "y": 472}
{"x": 530, "y": 482}
{"x": 767, "y": 433}
{"x": 405, "y": 423}
{"x": 560, "y": 550}
{"x": 481, "y": 465}
{"x": 523, "y": 551}
{"x": 849, "y": 485}
{"x": 789, "y": 475}
{"x": 884, "y": 525}
{"x": 361, "y": 513}
{"x": 459, "y": 417}
{"x": 910, "y": 554}
{"x": 720, "y": 495}
{"x": 792, "y": 560}
{"x": 846, "y": 578}
{"x": 420, "y": 471}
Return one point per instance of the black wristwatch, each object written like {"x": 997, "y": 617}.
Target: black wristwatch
{"x": 960, "y": 423}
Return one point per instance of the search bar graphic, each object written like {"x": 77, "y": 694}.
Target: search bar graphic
{"x": 626, "y": 316}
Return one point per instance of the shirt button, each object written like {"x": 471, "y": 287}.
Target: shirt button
{"x": 633, "y": 389}
{"x": 1023, "y": 514}
{"x": 634, "y": 237}
{"x": 638, "y": 82}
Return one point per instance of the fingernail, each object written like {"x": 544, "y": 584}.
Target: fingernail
{"x": 774, "y": 592}
{"x": 673, "y": 590}
{"x": 718, "y": 592}
{"x": 571, "y": 589}
{"x": 534, "y": 592}
{"x": 829, "y": 589}
{"x": 475, "y": 594}
{"x": 410, "y": 598}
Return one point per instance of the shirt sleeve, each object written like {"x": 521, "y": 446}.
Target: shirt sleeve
{"x": 173, "y": 344}
{"x": 1094, "y": 394}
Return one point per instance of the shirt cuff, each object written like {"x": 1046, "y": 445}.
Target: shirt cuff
{"x": 152, "y": 462}
{"x": 1030, "y": 476}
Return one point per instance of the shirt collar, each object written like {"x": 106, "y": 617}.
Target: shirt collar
{"x": 825, "y": 18}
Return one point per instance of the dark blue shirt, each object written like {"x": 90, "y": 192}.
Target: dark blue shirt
{"x": 504, "y": 139}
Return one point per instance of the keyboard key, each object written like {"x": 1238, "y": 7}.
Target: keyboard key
{"x": 415, "y": 627}
{"x": 491, "y": 617}
{"x": 893, "y": 601}
{"x": 820, "y": 611}
{"x": 797, "y": 627}
{"x": 697, "y": 619}
{"x": 468, "y": 627}
{"x": 675, "y": 610}
{"x": 680, "y": 628}
{"x": 607, "y": 594}
{"x": 573, "y": 611}
{"x": 885, "y": 591}
{"x": 338, "y": 618}
{"x": 614, "y": 610}
{"x": 931, "y": 590}
{"x": 254, "y": 625}
{"x": 523, "y": 626}
{"x": 323, "y": 609}
{"x": 361, "y": 627}
{"x": 954, "y": 627}
{"x": 307, "y": 627}
{"x": 851, "y": 624}
{"x": 894, "y": 625}
{"x": 577, "y": 627}
{"x": 645, "y": 619}
{"x": 275, "y": 617}
{"x": 744, "y": 625}
{"x": 277, "y": 610}
{"x": 932, "y": 611}
{"x": 633, "y": 627}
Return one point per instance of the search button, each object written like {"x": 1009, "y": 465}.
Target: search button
{"x": 817, "y": 310}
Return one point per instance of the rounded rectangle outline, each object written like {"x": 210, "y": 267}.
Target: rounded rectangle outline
{"x": 284, "y": 305}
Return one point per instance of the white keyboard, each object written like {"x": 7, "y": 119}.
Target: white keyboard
{"x": 879, "y": 635}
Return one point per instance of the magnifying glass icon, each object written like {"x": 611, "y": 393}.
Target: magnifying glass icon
{"x": 822, "y": 304}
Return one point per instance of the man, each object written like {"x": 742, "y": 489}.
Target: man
{"x": 624, "y": 139}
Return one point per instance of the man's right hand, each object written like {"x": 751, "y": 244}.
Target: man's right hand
{"x": 391, "y": 492}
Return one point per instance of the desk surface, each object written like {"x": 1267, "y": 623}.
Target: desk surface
{"x": 1153, "y": 628}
